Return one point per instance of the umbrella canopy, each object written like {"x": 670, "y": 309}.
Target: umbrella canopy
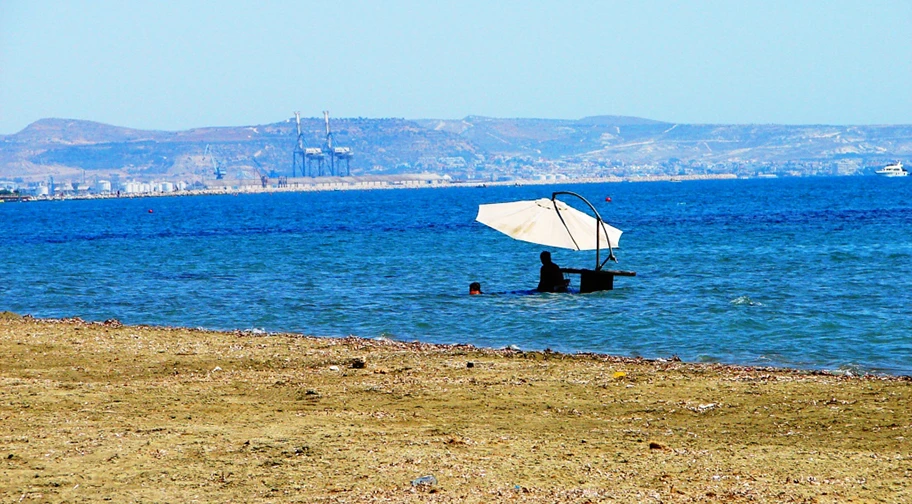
{"x": 548, "y": 222}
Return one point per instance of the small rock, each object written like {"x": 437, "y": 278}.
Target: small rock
{"x": 428, "y": 480}
{"x": 358, "y": 363}
{"x": 333, "y": 368}
{"x": 470, "y": 364}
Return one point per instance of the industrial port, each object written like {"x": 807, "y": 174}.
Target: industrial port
{"x": 312, "y": 161}
{"x": 59, "y": 158}
{"x": 313, "y": 166}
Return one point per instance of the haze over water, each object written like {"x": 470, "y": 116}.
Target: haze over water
{"x": 809, "y": 273}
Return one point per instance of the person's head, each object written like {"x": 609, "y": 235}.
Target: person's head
{"x": 474, "y": 288}
{"x": 545, "y": 257}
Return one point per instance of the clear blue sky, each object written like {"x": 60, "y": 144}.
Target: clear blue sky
{"x": 175, "y": 65}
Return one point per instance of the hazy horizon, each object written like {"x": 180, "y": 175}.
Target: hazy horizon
{"x": 177, "y": 66}
{"x": 320, "y": 118}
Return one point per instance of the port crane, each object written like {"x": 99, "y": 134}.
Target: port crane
{"x": 340, "y": 153}
{"x": 299, "y": 152}
{"x": 314, "y": 155}
{"x": 260, "y": 171}
{"x": 306, "y": 157}
{"x": 219, "y": 174}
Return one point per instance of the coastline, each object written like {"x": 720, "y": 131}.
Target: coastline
{"x": 95, "y": 410}
{"x": 370, "y": 183}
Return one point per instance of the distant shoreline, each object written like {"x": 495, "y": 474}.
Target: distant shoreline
{"x": 371, "y": 183}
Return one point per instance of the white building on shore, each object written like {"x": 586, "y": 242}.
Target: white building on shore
{"x": 102, "y": 187}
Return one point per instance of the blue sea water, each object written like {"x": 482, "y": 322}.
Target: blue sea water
{"x": 811, "y": 273}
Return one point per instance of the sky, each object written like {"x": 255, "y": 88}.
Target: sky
{"x": 176, "y": 65}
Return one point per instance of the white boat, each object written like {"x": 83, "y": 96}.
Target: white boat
{"x": 893, "y": 170}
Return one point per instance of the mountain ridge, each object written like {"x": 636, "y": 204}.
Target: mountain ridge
{"x": 471, "y": 147}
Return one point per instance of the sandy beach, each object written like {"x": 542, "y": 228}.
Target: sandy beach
{"x": 105, "y": 412}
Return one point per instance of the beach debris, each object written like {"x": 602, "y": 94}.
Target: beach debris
{"x": 703, "y": 408}
{"x": 470, "y": 364}
{"x": 619, "y": 374}
{"x": 358, "y": 363}
{"x": 333, "y": 368}
{"x": 308, "y": 395}
{"x": 424, "y": 481}
{"x": 653, "y": 445}
{"x": 112, "y": 322}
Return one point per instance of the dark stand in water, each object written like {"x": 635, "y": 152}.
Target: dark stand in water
{"x": 597, "y": 280}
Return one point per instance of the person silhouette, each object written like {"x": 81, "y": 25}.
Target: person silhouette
{"x": 551, "y": 278}
{"x": 474, "y": 288}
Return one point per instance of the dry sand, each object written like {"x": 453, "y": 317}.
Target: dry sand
{"x": 104, "y": 412}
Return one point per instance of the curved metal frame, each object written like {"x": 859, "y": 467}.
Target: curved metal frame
{"x": 599, "y": 221}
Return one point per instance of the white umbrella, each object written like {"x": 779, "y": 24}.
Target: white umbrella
{"x": 550, "y": 222}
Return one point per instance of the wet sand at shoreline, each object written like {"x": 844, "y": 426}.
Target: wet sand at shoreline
{"x": 101, "y": 411}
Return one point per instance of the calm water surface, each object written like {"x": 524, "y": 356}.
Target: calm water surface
{"x": 809, "y": 273}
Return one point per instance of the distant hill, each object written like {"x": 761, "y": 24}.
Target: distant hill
{"x": 472, "y": 146}
{"x": 66, "y": 147}
{"x": 76, "y": 132}
{"x": 610, "y": 120}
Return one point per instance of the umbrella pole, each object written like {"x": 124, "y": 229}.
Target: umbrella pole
{"x": 600, "y": 223}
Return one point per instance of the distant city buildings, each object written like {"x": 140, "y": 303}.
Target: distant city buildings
{"x": 98, "y": 188}
{"x": 446, "y": 170}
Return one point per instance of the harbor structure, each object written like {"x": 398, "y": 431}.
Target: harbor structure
{"x": 312, "y": 161}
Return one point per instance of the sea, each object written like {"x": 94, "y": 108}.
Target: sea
{"x": 809, "y": 273}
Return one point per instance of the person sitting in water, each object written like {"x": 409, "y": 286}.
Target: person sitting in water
{"x": 551, "y": 279}
{"x": 474, "y": 288}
